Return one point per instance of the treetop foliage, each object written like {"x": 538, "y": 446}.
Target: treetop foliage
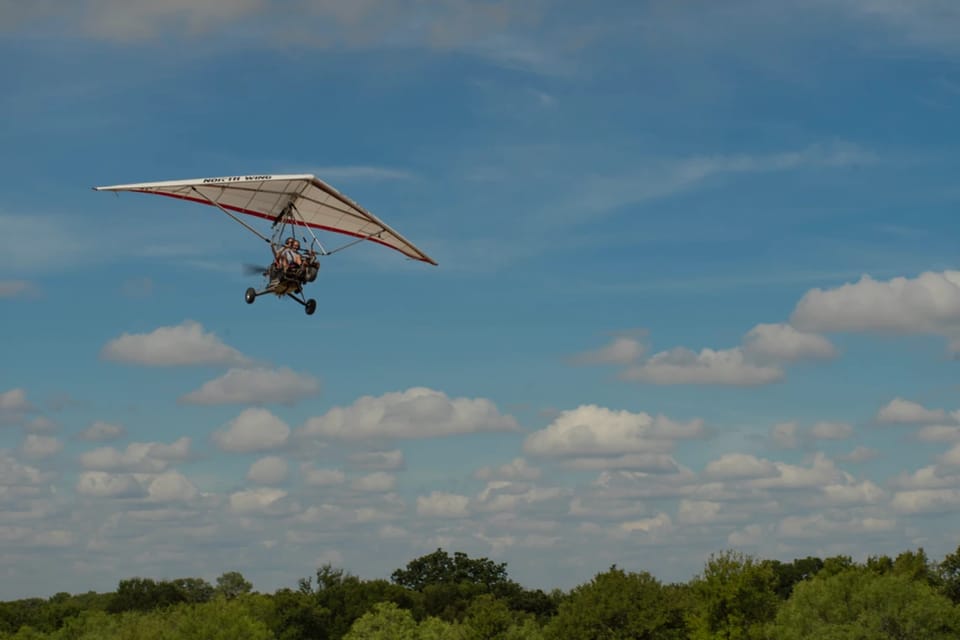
{"x": 454, "y": 597}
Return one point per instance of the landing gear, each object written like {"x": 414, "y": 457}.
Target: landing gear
{"x": 310, "y": 307}
{"x": 250, "y": 295}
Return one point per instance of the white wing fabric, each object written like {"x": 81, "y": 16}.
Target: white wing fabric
{"x": 316, "y": 204}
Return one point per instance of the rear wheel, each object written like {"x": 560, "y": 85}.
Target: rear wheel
{"x": 311, "y": 306}
{"x": 250, "y": 295}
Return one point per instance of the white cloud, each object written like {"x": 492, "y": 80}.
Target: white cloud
{"x": 321, "y": 477}
{"x": 415, "y": 413}
{"x": 783, "y": 342}
{"x": 36, "y": 446}
{"x": 268, "y": 470}
{"x": 142, "y": 457}
{"x": 14, "y": 473}
{"x": 939, "y": 433}
{"x": 819, "y": 525}
{"x": 709, "y": 367}
{"x": 102, "y": 431}
{"x": 927, "y": 304}
{"x": 101, "y": 484}
{"x": 951, "y": 457}
{"x": 254, "y": 430}
{"x": 646, "y": 462}
{"x": 181, "y": 345}
{"x": 14, "y": 401}
{"x": 40, "y": 424}
{"x": 593, "y": 430}
{"x": 255, "y": 386}
{"x": 381, "y": 460}
{"x": 516, "y": 469}
{"x": 171, "y": 486}
{"x": 739, "y": 465}
{"x": 785, "y": 435}
{"x": 856, "y": 493}
{"x": 653, "y": 526}
{"x": 255, "y": 500}
{"x": 822, "y": 472}
{"x": 622, "y": 350}
{"x": 861, "y": 454}
{"x": 901, "y": 411}
{"x": 440, "y": 504}
{"x": 504, "y": 495}
{"x": 926, "y": 501}
{"x": 831, "y": 431}
{"x": 12, "y": 288}
{"x": 378, "y": 482}
{"x": 929, "y": 477}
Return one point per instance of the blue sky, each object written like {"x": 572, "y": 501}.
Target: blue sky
{"x": 696, "y": 288}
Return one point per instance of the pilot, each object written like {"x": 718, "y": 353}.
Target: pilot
{"x": 289, "y": 255}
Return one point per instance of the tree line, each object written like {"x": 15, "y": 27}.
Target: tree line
{"x": 440, "y": 596}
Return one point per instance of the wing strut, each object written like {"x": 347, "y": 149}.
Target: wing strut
{"x": 359, "y": 240}
{"x": 218, "y": 206}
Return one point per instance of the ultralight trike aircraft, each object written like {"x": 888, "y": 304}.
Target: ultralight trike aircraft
{"x": 291, "y": 203}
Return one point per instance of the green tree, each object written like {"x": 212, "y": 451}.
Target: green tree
{"x": 232, "y": 584}
{"x": 439, "y": 568}
{"x": 616, "y": 604}
{"x": 735, "y": 598}
{"x": 859, "y": 604}
{"x": 948, "y": 572}
{"x": 386, "y": 621}
{"x": 788, "y": 574}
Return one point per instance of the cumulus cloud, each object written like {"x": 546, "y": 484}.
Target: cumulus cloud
{"x": 40, "y": 424}
{"x": 860, "y": 454}
{"x": 255, "y": 386}
{"x": 379, "y": 460}
{"x": 784, "y": 342}
{"x": 917, "y": 501}
{"x": 101, "y": 431}
{"x": 622, "y": 350}
{"x": 36, "y": 446}
{"x": 378, "y": 482}
{"x": 820, "y": 473}
{"x": 414, "y": 413}
{"x": 321, "y": 477}
{"x": 516, "y": 469}
{"x": 268, "y": 470}
{"x": 708, "y": 367}
{"x": 255, "y": 500}
{"x": 143, "y": 457}
{"x": 101, "y": 484}
{"x": 646, "y": 462}
{"x": 785, "y": 435}
{"x": 927, "y": 304}
{"x": 14, "y": 401}
{"x": 739, "y": 465}
{"x": 254, "y": 430}
{"x": 504, "y": 495}
{"x": 590, "y": 430}
{"x": 440, "y": 504}
{"x": 939, "y": 433}
{"x": 181, "y": 345}
{"x": 901, "y": 411}
{"x": 818, "y": 525}
{"x": 831, "y": 431}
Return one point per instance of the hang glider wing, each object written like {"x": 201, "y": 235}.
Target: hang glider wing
{"x": 315, "y": 204}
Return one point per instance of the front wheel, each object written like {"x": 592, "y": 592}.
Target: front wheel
{"x": 250, "y": 295}
{"x": 311, "y": 306}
